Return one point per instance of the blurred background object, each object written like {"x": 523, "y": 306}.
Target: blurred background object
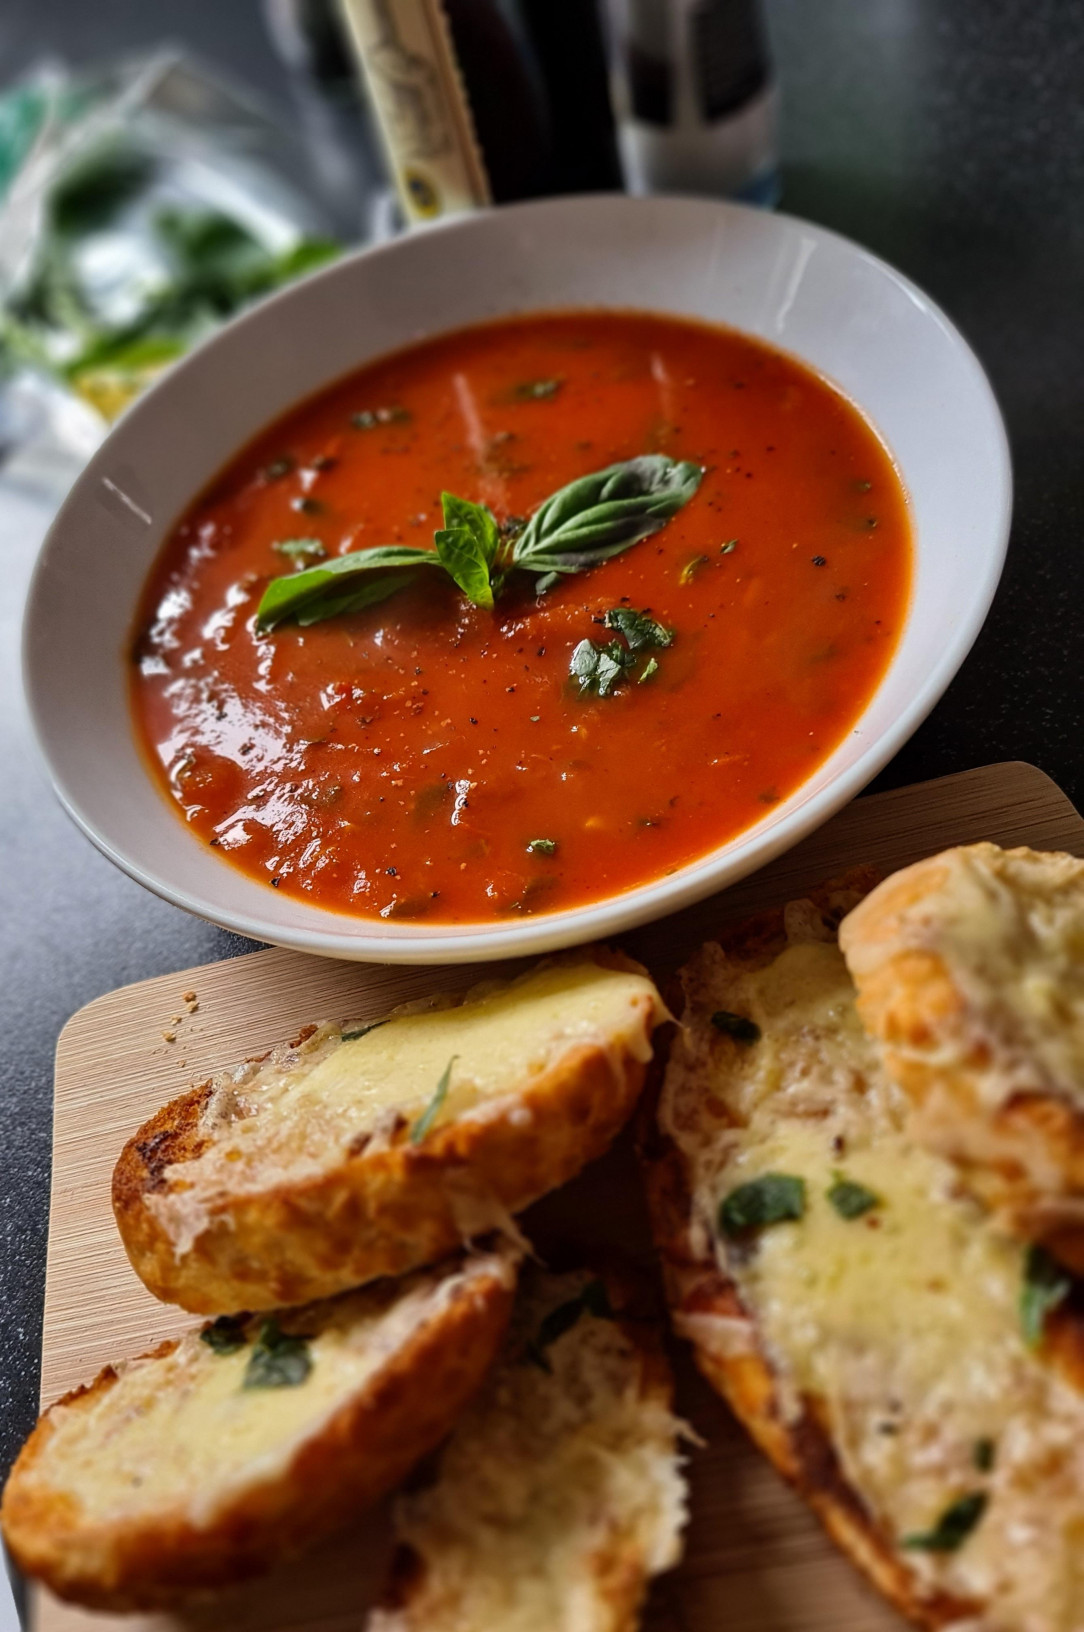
{"x": 487, "y": 101}
{"x": 696, "y": 98}
{"x": 146, "y": 200}
{"x": 140, "y": 206}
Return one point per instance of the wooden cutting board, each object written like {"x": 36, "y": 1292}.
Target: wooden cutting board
{"x": 755, "y": 1561}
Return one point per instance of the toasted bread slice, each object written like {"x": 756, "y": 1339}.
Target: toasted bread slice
{"x": 970, "y": 973}
{"x": 346, "y": 1157}
{"x": 866, "y": 1318}
{"x": 560, "y": 1492}
{"x": 217, "y": 1455}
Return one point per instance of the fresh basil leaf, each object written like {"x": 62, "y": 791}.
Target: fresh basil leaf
{"x": 599, "y": 669}
{"x": 952, "y": 1528}
{"x": 225, "y": 1335}
{"x": 738, "y": 1026}
{"x": 467, "y": 546}
{"x": 850, "y": 1199}
{"x": 773, "y": 1198}
{"x": 1046, "y": 1284}
{"x": 640, "y": 630}
{"x": 601, "y": 515}
{"x": 300, "y": 549}
{"x": 542, "y": 847}
{"x": 432, "y": 1110}
{"x": 334, "y": 586}
{"x": 277, "y": 1360}
{"x": 593, "y": 1300}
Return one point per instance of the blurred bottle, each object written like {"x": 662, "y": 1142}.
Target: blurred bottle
{"x": 333, "y": 118}
{"x": 486, "y": 101}
{"x": 696, "y": 99}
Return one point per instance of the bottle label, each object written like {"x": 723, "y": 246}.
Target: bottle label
{"x": 417, "y": 93}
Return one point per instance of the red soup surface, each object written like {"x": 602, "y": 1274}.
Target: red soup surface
{"x": 404, "y": 760}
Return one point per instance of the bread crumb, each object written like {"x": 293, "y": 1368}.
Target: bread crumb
{"x": 188, "y": 997}
{"x": 169, "y": 1036}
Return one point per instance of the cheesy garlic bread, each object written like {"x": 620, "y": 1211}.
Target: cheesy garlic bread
{"x": 217, "y": 1455}
{"x": 970, "y": 974}
{"x": 355, "y": 1154}
{"x": 560, "y": 1492}
{"x": 886, "y": 1342}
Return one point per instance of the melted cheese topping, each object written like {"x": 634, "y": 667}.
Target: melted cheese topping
{"x": 903, "y": 1323}
{"x": 179, "y": 1434}
{"x": 306, "y": 1108}
{"x": 547, "y": 1477}
{"x": 1009, "y": 927}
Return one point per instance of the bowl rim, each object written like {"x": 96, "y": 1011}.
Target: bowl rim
{"x": 361, "y": 939}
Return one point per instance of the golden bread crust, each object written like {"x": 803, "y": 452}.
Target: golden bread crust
{"x": 384, "y": 1210}
{"x": 364, "y": 1450}
{"x": 707, "y": 1309}
{"x": 945, "y": 1009}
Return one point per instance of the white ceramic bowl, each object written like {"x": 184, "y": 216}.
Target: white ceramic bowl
{"x": 801, "y": 288}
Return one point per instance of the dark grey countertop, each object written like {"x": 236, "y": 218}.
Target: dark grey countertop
{"x": 948, "y": 136}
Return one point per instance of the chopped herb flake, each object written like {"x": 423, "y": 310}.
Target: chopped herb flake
{"x": 691, "y": 568}
{"x": 1046, "y": 1284}
{"x": 852, "y": 1200}
{"x": 593, "y": 1300}
{"x": 952, "y": 1528}
{"x": 651, "y": 667}
{"x": 278, "y": 1360}
{"x": 600, "y": 669}
{"x": 355, "y": 1032}
{"x": 278, "y": 468}
{"x": 307, "y": 506}
{"x": 731, "y": 544}
{"x": 225, "y": 1335}
{"x": 425, "y": 1122}
{"x": 542, "y": 847}
{"x": 738, "y": 1026}
{"x": 774, "y": 1198}
{"x": 983, "y": 1455}
{"x": 640, "y": 630}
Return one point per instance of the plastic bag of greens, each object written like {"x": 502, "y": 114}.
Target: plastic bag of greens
{"x": 139, "y": 207}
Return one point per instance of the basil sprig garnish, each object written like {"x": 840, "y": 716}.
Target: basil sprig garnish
{"x": 591, "y": 520}
{"x": 345, "y": 584}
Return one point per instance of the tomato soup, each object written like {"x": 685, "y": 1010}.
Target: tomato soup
{"x": 429, "y": 758}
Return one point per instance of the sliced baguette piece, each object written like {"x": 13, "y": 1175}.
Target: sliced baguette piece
{"x": 342, "y": 1158}
{"x": 970, "y": 973}
{"x": 874, "y": 1337}
{"x": 197, "y": 1465}
{"x": 560, "y": 1492}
